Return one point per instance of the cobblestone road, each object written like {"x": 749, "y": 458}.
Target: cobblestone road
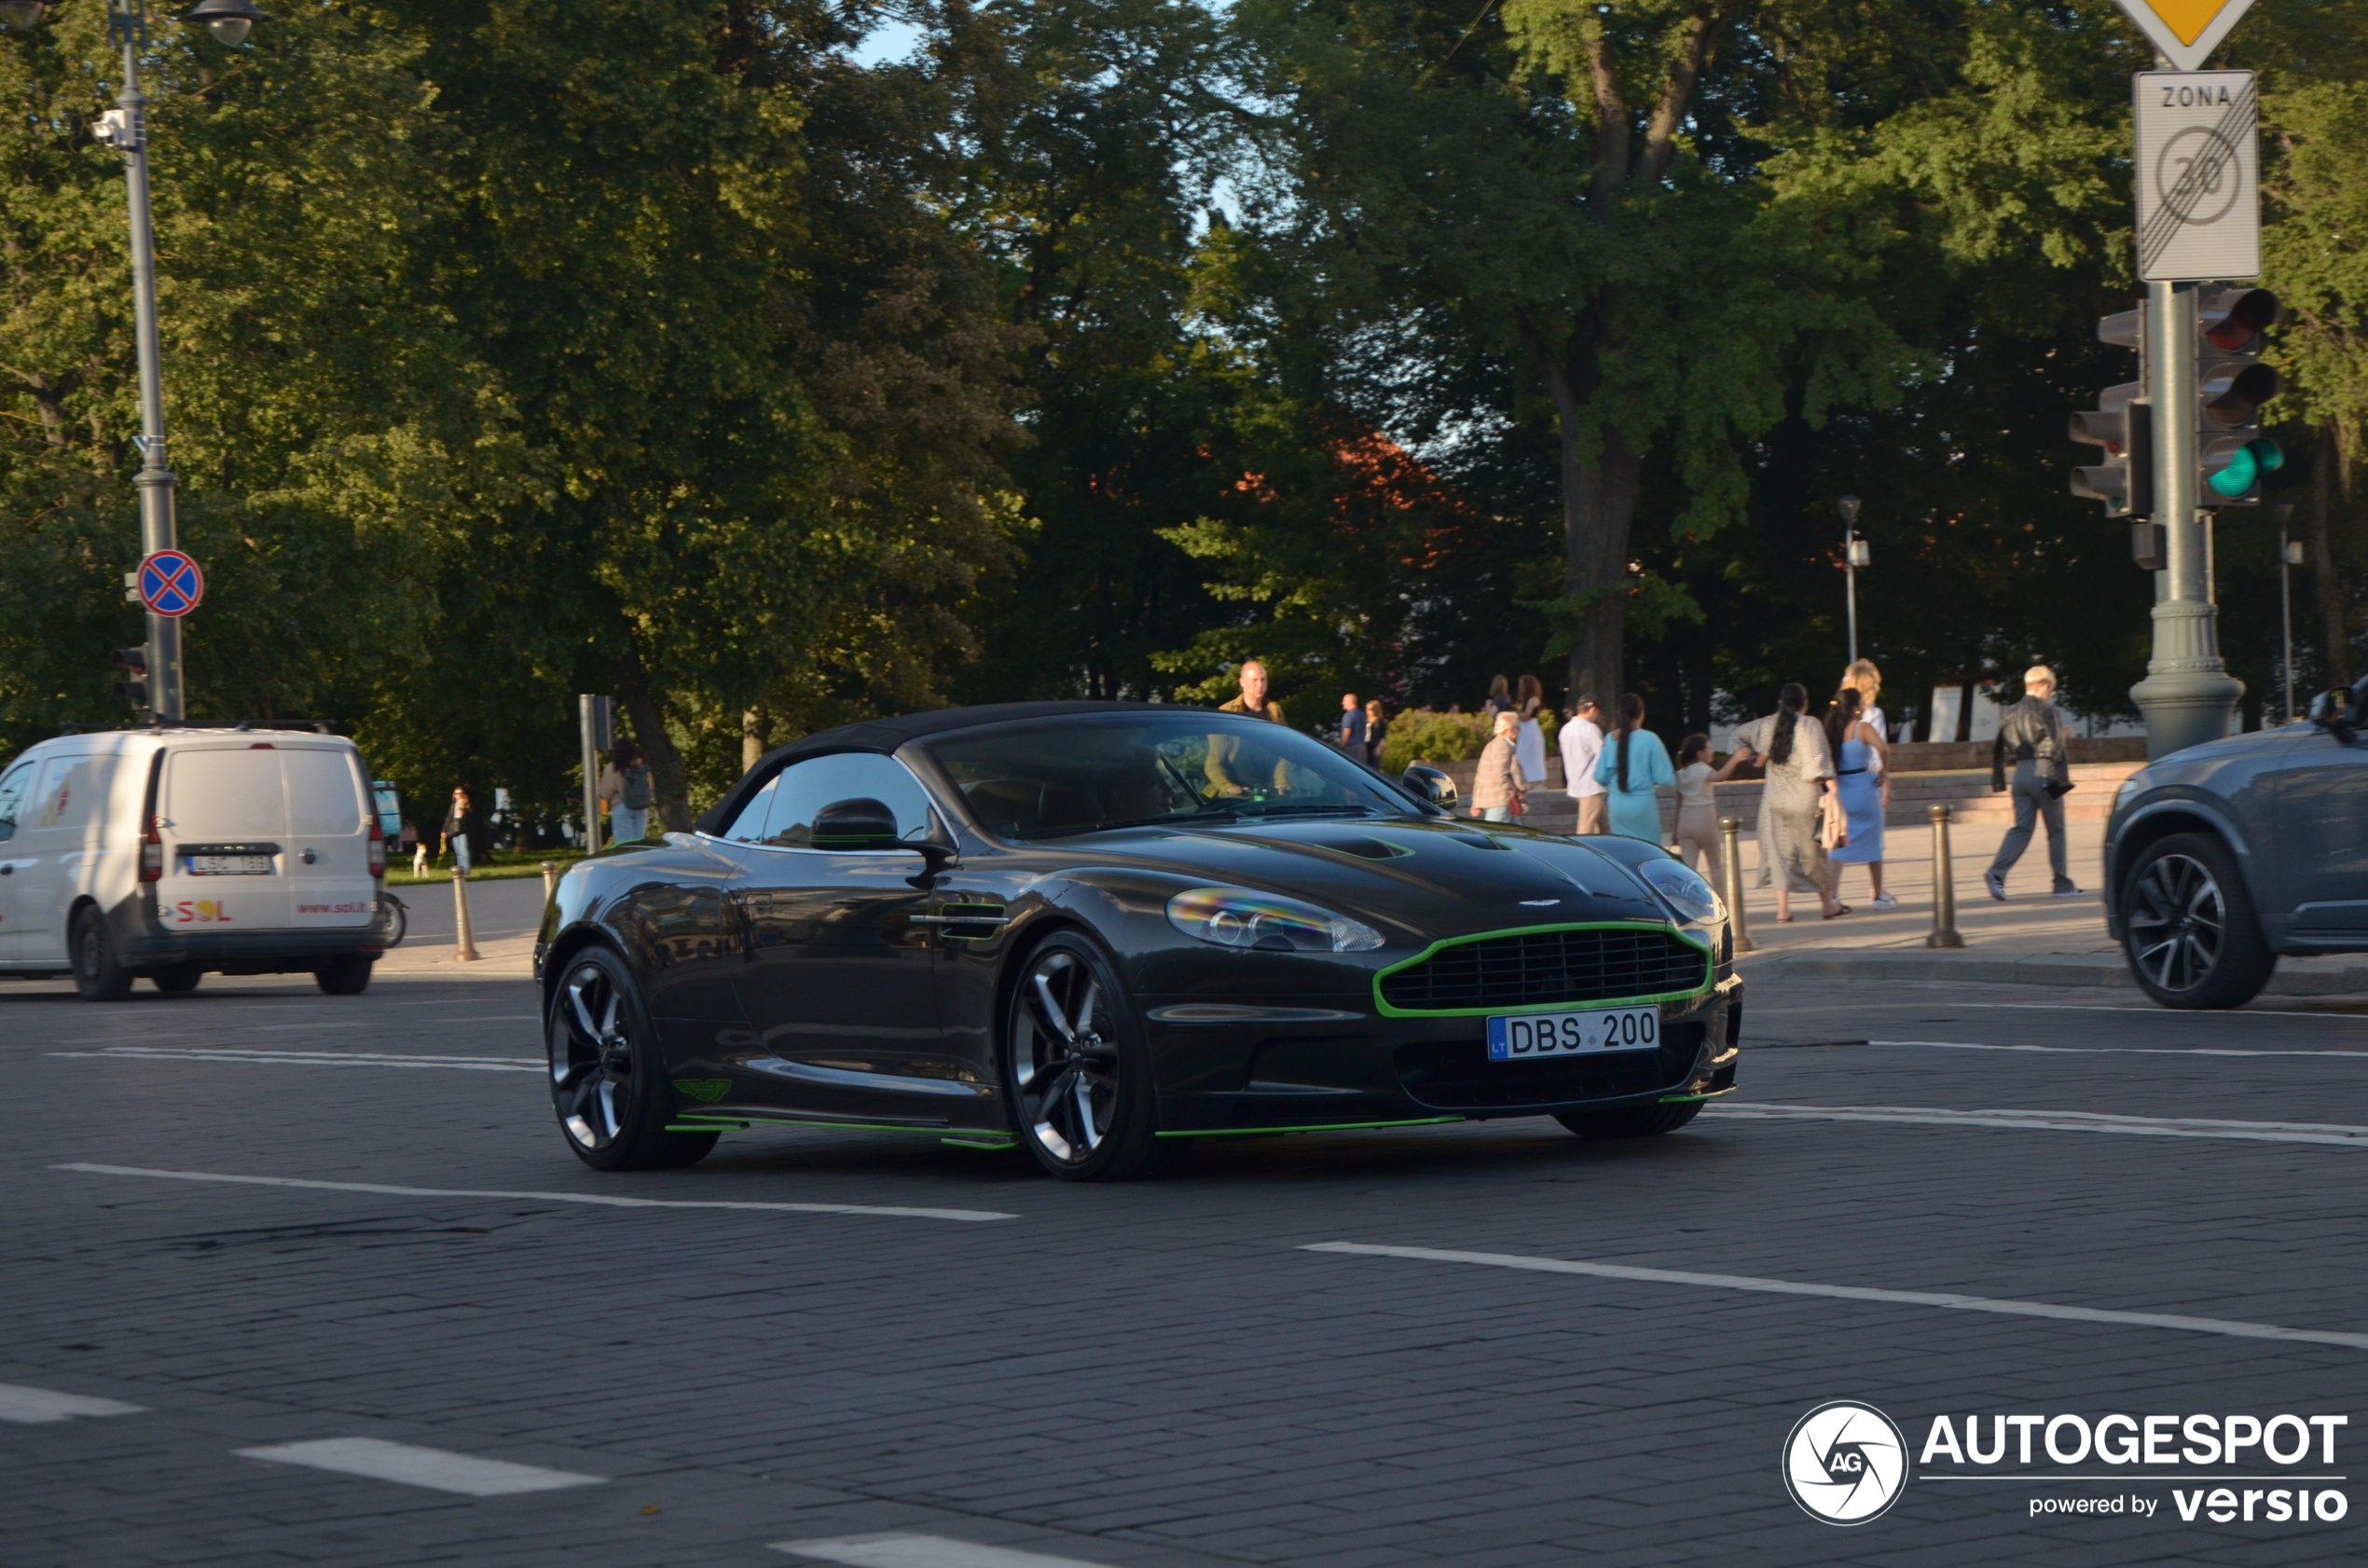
{"x": 1158, "y": 1374}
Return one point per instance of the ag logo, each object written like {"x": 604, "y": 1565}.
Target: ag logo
{"x": 1845, "y": 1462}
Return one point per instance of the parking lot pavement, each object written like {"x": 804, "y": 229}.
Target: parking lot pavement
{"x": 429, "y": 1335}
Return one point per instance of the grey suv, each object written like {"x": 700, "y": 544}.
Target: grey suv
{"x": 2223, "y": 857}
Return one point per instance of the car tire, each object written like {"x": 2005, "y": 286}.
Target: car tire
{"x": 1077, "y": 1072}
{"x": 1631, "y": 1122}
{"x": 2188, "y": 928}
{"x": 178, "y": 981}
{"x": 98, "y": 975}
{"x": 349, "y": 976}
{"x": 608, "y": 1084}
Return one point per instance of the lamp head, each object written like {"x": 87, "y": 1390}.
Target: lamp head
{"x": 1849, "y": 507}
{"x": 229, "y": 21}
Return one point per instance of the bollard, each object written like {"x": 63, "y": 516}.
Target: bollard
{"x": 550, "y": 880}
{"x": 468, "y": 936}
{"x": 1730, "y": 834}
{"x": 1944, "y": 934}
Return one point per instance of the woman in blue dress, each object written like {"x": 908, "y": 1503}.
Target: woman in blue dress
{"x": 1633, "y": 766}
{"x": 1859, "y": 750}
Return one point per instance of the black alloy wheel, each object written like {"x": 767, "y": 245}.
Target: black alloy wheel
{"x": 607, "y": 1080}
{"x": 2188, "y": 927}
{"x": 1077, "y": 1072}
{"x": 1630, "y": 1122}
{"x": 178, "y": 981}
{"x": 97, "y": 973}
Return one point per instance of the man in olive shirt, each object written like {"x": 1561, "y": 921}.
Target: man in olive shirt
{"x": 1222, "y": 749}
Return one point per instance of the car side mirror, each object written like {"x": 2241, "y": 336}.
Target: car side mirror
{"x": 861, "y": 823}
{"x": 2331, "y": 711}
{"x": 1427, "y": 783}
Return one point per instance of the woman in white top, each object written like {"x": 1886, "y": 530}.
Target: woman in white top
{"x": 1696, "y": 810}
{"x": 1531, "y": 745}
{"x": 1800, "y": 770}
{"x": 1867, "y": 680}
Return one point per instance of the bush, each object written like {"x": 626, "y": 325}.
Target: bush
{"x": 1419, "y": 734}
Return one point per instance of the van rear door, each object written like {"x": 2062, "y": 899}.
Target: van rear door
{"x": 222, "y": 814}
{"x": 328, "y": 847}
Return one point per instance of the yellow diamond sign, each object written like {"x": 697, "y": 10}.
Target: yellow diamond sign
{"x": 2185, "y": 31}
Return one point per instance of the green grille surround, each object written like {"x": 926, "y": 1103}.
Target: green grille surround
{"x": 1389, "y": 1010}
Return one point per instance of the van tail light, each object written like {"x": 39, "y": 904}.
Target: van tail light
{"x": 377, "y": 851}
{"x": 152, "y": 854}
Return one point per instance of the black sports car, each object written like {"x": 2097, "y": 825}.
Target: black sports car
{"x": 1100, "y": 930}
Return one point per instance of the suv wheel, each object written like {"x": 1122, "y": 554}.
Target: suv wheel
{"x": 347, "y": 976}
{"x": 2188, "y": 926}
{"x": 96, "y": 973}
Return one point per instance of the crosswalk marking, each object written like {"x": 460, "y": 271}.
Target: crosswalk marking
{"x": 921, "y": 1551}
{"x": 434, "y": 1468}
{"x": 32, "y": 1406}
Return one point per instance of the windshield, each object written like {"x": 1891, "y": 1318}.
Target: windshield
{"x": 1040, "y": 779}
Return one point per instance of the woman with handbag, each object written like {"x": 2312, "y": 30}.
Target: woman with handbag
{"x": 1631, "y": 770}
{"x": 1803, "y": 814}
{"x": 1859, "y": 758}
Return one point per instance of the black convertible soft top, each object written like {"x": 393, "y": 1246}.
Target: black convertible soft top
{"x": 884, "y": 735}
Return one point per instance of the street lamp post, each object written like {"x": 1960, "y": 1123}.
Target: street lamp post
{"x": 2289, "y": 556}
{"x": 1854, "y": 555}
{"x": 126, "y": 130}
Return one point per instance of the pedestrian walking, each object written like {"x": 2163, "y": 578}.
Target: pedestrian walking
{"x": 1351, "y": 725}
{"x": 417, "y": 846}
{"x": 1531, "y": 740}
{"x": 1632, "y": 769}
{"x": 1376, "y": 730}
{"x": 459, "y": 822}
{"x": 1697, "y": 835}
{"x": 2033, "y": 731}
{"x": 1800, "y": 774}
{"x": 1867, "y": 681}
{"x": 1497, "y": 791}
{"x": 1864, "y": 787}
{"x": 625, "y": 790}
{"x": 1582, "y": 746}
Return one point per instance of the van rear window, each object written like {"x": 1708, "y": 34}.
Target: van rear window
{"x": 225, "y": 794}
{"x": 324, "y": 792}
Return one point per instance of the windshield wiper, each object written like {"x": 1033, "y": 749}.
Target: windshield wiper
{"x": 1206, "y": 813}
{"x": 1311, "y": 810}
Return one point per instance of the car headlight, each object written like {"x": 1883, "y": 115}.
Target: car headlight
{"x": 1233, "y": 917}
{"x": 1685, "y": 888}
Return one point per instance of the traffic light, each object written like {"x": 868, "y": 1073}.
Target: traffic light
{"x": 135, "y": 660}
{"x": 2231, "y": 385}
{"x": 2124, "y": 427}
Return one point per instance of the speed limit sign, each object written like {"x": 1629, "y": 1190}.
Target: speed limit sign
{"x": 2198, "y": 176}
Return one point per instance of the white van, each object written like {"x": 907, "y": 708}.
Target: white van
{"x": 172, "y": 852}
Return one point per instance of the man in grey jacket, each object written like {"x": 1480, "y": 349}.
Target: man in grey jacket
{"x": 2032, "y": 733}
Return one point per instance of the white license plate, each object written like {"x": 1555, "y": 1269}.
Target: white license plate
{"x": 1524, "y": 1036}
{"x": 230, "y": 865}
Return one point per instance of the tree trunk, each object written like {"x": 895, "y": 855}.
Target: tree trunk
{"x": 756, "y": 738}
{"x": 1599, "y": 507}
{"x": 648, "y": 728}
{"x": 2333, "y": 613}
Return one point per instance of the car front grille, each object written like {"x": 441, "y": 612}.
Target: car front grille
{"x": 1457, "y": 1074}
{"x": 1542, "y": 969}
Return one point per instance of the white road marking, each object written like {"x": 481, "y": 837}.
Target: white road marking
{"x": 2333, "y": 1134}
{"x": 2182, "y": 1014}
{"x": 921, "y": 1551}
{"x": 2230, "y": 1327}
{"x": 308, "y": 1058}
{"x": 433, "y": 1468}
{"x": 33, "y": 1407}
{"x": 599, "y": 1200}
{"x": 2113, "y": 1050}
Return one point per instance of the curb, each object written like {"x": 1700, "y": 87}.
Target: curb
{"x": 2100, "y": 971}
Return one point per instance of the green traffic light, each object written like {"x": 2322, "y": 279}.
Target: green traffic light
{"x": 2246, "y": 467}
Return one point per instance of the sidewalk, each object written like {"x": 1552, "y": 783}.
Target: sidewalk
{"x": 2031, "y": 940}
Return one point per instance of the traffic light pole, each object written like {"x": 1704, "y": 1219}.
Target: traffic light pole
{"x": 2188, "y": 693}
{"x": 155, "y": 480}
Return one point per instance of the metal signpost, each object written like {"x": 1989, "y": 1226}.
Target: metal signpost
{"x": 2198, "y": 192}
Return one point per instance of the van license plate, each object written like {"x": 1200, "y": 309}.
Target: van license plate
{"x": 230, "y": 865}
{"x": 1527, "y": 1035}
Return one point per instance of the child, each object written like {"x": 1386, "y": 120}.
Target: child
{"x": 1697, "y": 813}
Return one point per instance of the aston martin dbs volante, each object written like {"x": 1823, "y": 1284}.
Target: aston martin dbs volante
{"x": 1099, "y": 930}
